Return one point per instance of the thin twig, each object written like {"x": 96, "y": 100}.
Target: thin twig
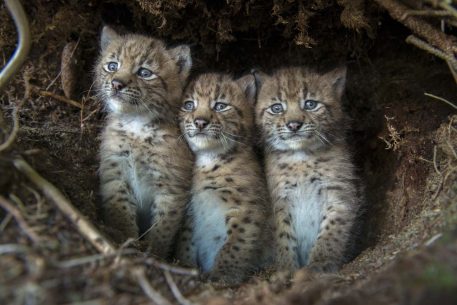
{"x": 175, "y": 290}
{"x": 12, "y": 248}
{"x": 10, "y": 208}
{"x": 89, "y": 259}
{"x": 140, "y": 275}
{"x": 5, "y": 222}
{"x": 12, "y": 136}
{"x": 435, "y": 166}
{"x": 86, "y": 229}
{"x": 61, "y": 98}
{"x": 171, "y": 268}
{"x": 441, "y": 99}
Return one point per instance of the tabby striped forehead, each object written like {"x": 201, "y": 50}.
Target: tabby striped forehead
{"x": 138, "y": 50}
{"x": 214, "y": 87}
{"x": 290, "y": 85}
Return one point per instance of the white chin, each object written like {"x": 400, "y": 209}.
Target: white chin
{"x": 290, "y": 145}
{"x": 296, "y": 144}
{"x": 114, "y": 105}
{"x": 200, "y": 143}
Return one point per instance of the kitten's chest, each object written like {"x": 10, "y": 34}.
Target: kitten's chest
{"x": 299, "y": 187}
{"x": 209, "y": 232}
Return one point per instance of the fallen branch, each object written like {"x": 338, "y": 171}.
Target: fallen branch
{"x": 421, "y": 28}
{"x": 61, "y": 98}
{"x": 83, "y": 226}
{"x": 10, "y": 208}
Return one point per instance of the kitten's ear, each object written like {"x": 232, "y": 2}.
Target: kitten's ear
{"x": 337, "y": 79}
{"x": 260, "y": 78}
{"x": 181, "y": 55}
{"x": 108, "y": 35}
{"x": 247, "y": 84}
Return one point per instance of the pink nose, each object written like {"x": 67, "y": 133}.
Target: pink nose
{"x": 200, "y": 123}
{"x": 117, "y": 84}
{"x": 294, "y": 125}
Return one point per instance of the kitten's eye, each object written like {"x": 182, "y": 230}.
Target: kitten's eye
{"x": 310, "y": 104}
{"x": 145, "y": 74}
{"x": 220, "y": 106}
{"x": 112, "y": 66}
{"x": 188, "y": 106}
{"x": 276, "y": 108}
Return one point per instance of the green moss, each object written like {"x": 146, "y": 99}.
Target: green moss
{"x": 439, "y": 276}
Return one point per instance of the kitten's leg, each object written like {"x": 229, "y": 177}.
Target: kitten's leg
{"x": 286, "y": 255}
{"x": 327, "y": 254}
{"x": 167, "y": 211}
{"x": 186, "y": 251}
{"x": 119, "y": 204}
{"x": 236, "y": 259}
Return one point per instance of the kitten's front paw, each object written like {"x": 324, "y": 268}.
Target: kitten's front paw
{"x": 224, "y": 278}
{"x": 323, "y": 267}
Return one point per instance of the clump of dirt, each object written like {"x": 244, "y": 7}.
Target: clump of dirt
{"x": 404, "y": 145}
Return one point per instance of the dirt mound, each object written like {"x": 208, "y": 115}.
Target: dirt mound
{"x": 404, "y": 142}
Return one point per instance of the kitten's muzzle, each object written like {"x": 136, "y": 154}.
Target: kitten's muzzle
{"x": 201, "y": 123}
{"x": 117, "y": 85}
{"x": 294, "y": 125}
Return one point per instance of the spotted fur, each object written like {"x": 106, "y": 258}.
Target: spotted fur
{"x": 309, "y": 171}
{"x": 226, "y": 218}
{"x": 145, "y": 170}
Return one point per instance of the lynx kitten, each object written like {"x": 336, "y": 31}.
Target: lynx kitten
{"x": 308, "y": 167}
{"x": 145, "y": 170}
{"x": 226, "y": 218}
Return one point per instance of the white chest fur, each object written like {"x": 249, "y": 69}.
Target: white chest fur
{"x": 138, "y": 176}
{"x": 306, "y": 210}
{"x": 306, "y": 203}
{"x": 209, "y": 233}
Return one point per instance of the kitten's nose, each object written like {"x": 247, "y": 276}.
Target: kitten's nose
{"x": 294, "y": 125}
{"x": 200, "y": 123}
{"x": 117, "y": 84}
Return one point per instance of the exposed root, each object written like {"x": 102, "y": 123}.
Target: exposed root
{"x": 437, "y": 42}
